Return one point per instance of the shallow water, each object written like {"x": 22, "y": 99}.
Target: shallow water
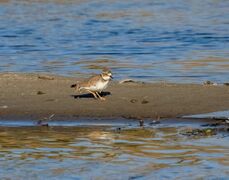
{"x": 179, "y": 41}
{"x": 213, "y": 115}
{"x": 111, "y": 152}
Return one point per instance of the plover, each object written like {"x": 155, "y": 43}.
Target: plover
{"x": 95, "y": 85}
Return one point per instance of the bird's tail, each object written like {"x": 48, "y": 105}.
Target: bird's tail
{"x": 73, "y": 85}
{"x": 76, "y": 86}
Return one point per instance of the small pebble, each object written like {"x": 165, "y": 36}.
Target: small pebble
{"x": 118, "y": 129}
{"x": 4, "y": 107}
{"x": 208, "y": 130}
{"x": 133, "y": 100}
{"x": 144, "y": 101}
{"x": 40, "y": 93}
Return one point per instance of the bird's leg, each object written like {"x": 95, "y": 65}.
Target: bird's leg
{"x": 101, "y": 98}
{"x": 94, "y": 94}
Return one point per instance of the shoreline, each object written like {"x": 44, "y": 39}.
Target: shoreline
{"x": 37, "y": 96}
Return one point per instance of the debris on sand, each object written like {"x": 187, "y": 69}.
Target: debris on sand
{"x": 126, "y": 81}
{"x": 210, "y": 83}
{"x": 40, "y": 92}
{"x": 144, "y": 101}
{"x": 44, "y": 77}
{"x": 133, "y": 100}
{"x": 226, "y": 84}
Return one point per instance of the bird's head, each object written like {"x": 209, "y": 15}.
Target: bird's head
{"x": 106, "y": 75}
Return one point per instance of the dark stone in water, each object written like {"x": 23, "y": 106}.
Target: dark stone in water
{"x": 136, "y": 177}
{"x": 41, "y": 123}
{"x": 154, "y": 122}
{"x": 141, "y": 122}
{"x": 211, "y": 125}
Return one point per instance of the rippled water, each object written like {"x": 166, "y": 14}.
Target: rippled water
{"x": 104, "y": 152}
{"x": 179, "y": 41}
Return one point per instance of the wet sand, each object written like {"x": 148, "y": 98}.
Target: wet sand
{"x": 36, "y": 96}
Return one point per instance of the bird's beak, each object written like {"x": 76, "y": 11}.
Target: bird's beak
{"x": 111, "y": 77}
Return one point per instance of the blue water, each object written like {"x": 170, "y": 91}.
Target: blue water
{"x": 149, "y": 40}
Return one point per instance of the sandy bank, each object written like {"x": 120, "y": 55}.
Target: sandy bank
{"x": 33, "y": 96}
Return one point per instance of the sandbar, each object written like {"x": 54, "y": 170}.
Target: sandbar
{"x": 35, "y": 96}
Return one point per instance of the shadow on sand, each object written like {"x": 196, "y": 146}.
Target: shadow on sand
{"x": 88, "y": 95}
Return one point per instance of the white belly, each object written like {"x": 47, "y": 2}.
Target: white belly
{"x": 99, "y": 86}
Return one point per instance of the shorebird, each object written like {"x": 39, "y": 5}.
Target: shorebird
{"x": 95, "y": 85}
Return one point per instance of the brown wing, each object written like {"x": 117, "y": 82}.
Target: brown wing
{"x": 91, "y": 81}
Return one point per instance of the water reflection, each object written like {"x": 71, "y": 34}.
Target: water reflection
{"x": 100, "y": 152}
